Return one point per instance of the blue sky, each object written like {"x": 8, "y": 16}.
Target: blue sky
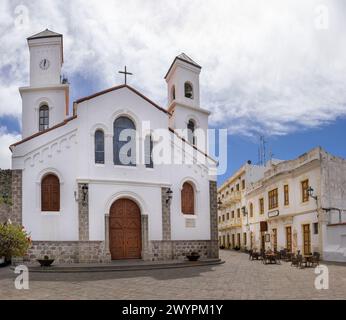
{"x": 331, "y": 137}
{"x": 275, "y": 68}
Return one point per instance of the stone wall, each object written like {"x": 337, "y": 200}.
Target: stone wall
{"x": 11, "y": 196}
{"x": 16, "y": 215}
{"x": 5, "y": 195}
{"x": 214, "y": 243}
{"x": 177, "y": 250}
{"x": 70, "y": 251}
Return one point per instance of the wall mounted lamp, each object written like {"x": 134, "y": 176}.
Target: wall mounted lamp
{"x": 311, "y": 193}
{"x": 169, "y": 194}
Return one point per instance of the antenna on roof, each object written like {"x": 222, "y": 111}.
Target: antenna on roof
{"x": 262, "y": 151}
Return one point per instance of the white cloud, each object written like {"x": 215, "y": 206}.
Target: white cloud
{"x": 6, "y": 139}
{"x": 265, "y": 65}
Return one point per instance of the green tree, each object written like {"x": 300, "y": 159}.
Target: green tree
{"x": 14, "y": 241}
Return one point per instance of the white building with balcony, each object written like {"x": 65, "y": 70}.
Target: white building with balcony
{"x": 300, "y": 205}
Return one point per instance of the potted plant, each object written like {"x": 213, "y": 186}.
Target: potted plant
{"x": 14, "y": 241}
{"x": 193, "y": 256}
{"x": 45, "y": 262}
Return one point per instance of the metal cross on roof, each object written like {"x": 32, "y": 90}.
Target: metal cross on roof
{"x": 126, "y": 73}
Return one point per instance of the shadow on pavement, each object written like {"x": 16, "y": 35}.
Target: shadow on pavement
{"x": 158, "y": 274}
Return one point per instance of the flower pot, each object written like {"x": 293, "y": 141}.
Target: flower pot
{"x": 45, "y": 262}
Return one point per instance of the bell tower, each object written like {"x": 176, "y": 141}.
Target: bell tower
{"x": 45, "y": 101}
{"x": 184, "y": 96}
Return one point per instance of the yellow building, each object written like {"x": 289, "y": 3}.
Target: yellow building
{"x": 233, "y": 224}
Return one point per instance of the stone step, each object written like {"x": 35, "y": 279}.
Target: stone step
{"x": 76, "y": 268}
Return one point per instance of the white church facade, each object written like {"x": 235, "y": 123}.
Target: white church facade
{"x": 79, "y": 199}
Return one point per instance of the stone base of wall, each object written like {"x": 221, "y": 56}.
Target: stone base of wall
{"x": 65, "y": 252}
{"x": 177, "y": 250}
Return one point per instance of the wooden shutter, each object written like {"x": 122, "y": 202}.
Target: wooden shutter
{"x": 188, "y": 199}
{"x": 50, "y": 193}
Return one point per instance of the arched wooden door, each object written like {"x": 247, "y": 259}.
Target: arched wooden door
{"x": 125, "y": 230}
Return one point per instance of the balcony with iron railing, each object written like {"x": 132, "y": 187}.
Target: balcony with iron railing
{"x": 231, "y": 223}
{"x": 232, "y": 198}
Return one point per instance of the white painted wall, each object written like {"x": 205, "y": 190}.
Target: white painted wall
{"x": 180, "y": 73}
{"x": 46, "y": 48}
{"x": 52, "y": 152}
{"x": 33, "y": 98}
{"x": 183, "y": 114}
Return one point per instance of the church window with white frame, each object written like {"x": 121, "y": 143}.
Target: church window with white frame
{"x": 124, "y": 142}
{"x": 148, "y": 152}
{"x": 191, "y": 127}
{"x": 188, "y": 199}
{"x": 99, "y": 147}
{"x": 43, "y": 118}
{"x": 50, "y": 193}
{"x": 173, "y": 94}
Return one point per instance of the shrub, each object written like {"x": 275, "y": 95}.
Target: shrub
{"x": 14, "y": 241}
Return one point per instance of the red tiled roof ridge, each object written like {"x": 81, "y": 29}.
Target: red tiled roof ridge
{"x": 193, "y": 146}
{"x": 97, "y": 94}
{"x": 43, "y": 132}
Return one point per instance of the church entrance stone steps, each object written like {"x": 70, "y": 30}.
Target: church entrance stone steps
{"x": 124, "y": 265}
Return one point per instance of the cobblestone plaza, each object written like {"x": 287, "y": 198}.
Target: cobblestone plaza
{"x": 237, "y": 278}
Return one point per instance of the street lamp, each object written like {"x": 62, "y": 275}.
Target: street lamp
{"x": 85, "y": 190}
{"x": 311, "y": 193}
{"x": 169, "y": 196}
{"x": 246, "y": 214}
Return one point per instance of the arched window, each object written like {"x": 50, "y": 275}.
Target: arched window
{"x": 188, "y": 90}
{"x": 43, "y": 118}
{"x": 188, "y": 199}
{"x": 50, "y": 193}
{"x": 173, "y": 94}
{"x": 148, "y": 150}
{"x": 99, "y": 147}
{"x": 124, "y": 142}
{"x": 191, "y": 127}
